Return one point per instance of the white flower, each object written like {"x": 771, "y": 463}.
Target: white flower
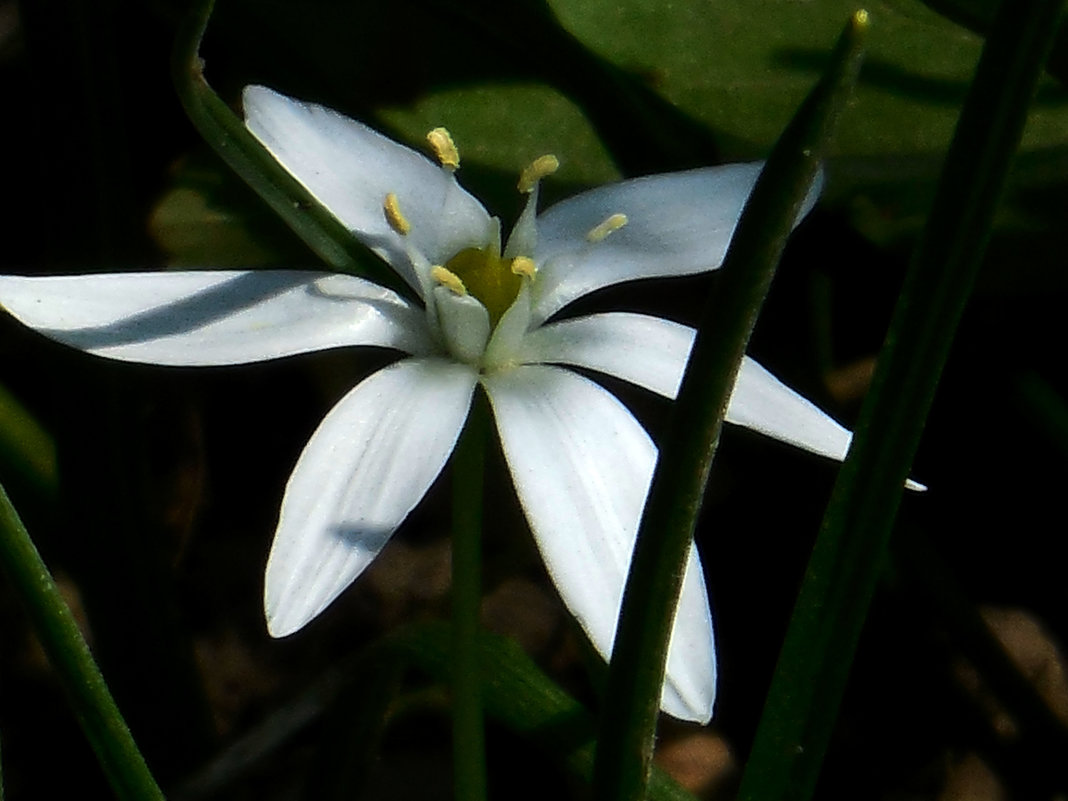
{"x": 580, "y": 462}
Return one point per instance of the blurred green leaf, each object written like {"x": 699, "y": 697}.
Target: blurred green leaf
{"x": 208, "y": 218}
{"x": 977, "y": 15}
{"x": 27, "y": 450}
{"x": 507, "y": 127}
{"x": 887, "y": 199}
{"x": 742, "y": 67}
{"x": 358, "y": 57}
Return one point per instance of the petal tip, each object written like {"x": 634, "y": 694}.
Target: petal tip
{"x": 698, "y": 709}
{"x": 277, "y": 631}
{"x": 282, "y": 622}
{"x": 254, "y": 93}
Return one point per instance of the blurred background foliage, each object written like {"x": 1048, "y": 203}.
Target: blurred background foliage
{"x": 153, "y": 492}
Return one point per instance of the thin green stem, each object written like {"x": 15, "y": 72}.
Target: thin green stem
{"x": 636, "y": 674}
{"x": 227, "y": 135}
{"x": 70, "y": 657}
{"x": 469, "y": 751}
{"x": 807, "y": 688}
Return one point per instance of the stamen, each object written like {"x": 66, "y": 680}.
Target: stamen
{"x": 538, "y": 169}
{"x": 521, "y": 265}
{"x": 448, "y": 279}
{"x": 444, "y": 148}
{"x": 609, "y": 225}
{"x": 397, "y": 221}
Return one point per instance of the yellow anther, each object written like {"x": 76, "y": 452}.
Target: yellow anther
{"x": 538, "y": 169}
{"x": 603, "y": 229}
{"x": 521, "y": 265}
{"x": 397, "y": 221}
{"x": 448, "y": 279}
{"x": 444, "y": 148}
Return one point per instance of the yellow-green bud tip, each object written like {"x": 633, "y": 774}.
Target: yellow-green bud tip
{"x": 538, "y": 169}
{"x": 860, "y": 18}
{"x": 448, "y": 279}
{"x": 444, "y": 148}
{"x": 397, "y": 221}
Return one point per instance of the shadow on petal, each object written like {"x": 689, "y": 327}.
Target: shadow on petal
{"x": 243, "y": 291}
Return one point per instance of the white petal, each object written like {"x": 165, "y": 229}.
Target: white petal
{"x": 367, "y": 465}
{"x": 582, "y": 465}
{"x": 677, "y": 224}
{"x": 647, "y": 351}
{"x": 214, "y": 317}
{"x": 464, "y": 324}
{"x": 652, "y": 353}
{"x": 690, "y": 690}
{"x": 763, "y": 403}
{"x": 350, "y": 169}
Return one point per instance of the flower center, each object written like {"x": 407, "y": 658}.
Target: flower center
{"x": 491, "y": 279}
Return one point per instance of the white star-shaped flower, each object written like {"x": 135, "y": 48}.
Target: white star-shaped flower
{"x": 580, "y": 461}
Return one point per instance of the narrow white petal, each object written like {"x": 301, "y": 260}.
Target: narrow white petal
{"x": 214, "y": 317}
{"x": 464, "y": 324}
{"x": 582, "y": 466}
{"x": 690, "y": 690}
{"x": 763, "y": 403}
{"x": 647, "y": 351}
{"x": 677, "y": 224}
{"x": 350, "y": 169}
{"x": 652, "y": 353}
{"x": 367, "y": 465}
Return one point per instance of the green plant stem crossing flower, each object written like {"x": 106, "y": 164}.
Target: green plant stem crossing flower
{"x": 581, "y": 463}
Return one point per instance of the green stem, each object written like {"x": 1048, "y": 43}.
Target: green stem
{"x": 227, "y": 135}
{"x": 469, "y": 757}
{"x": 70, "y": 657}
{"x": 810, "y": 678}
{"x": 636, "y": 674}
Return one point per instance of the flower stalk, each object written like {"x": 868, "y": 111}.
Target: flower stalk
{"x": 468, "y": 735}
{"x": 69, "y": 655}
{"x": 628, "y": 719}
